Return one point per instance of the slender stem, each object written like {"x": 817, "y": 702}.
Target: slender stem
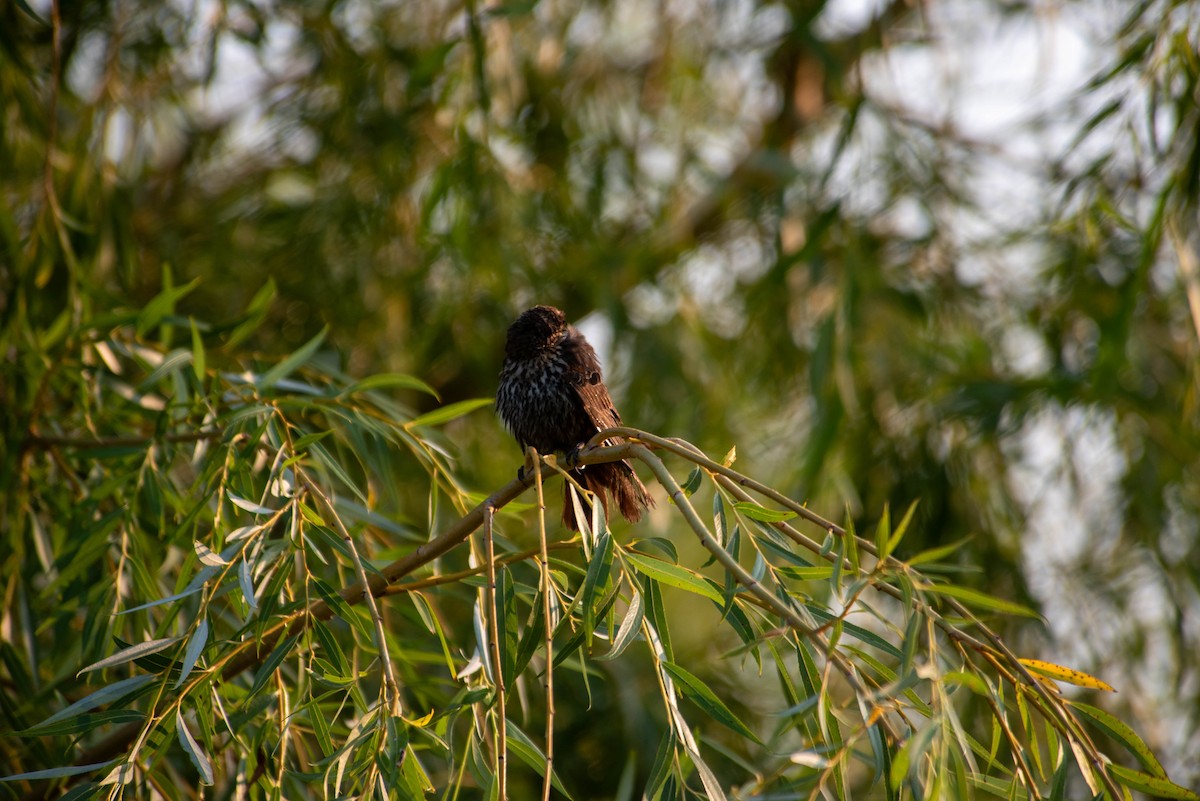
{"x": 494, "y": 650}
{"x": 547, "y": 588}
{"x": 391, "y": 688}
{"x": 696, "y": 456}
{"x": 458, "y": 575}
{"x": 91, "y": 443}
{"x": 712, "y": 546}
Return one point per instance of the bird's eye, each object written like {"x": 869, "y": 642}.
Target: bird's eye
{"x": 594, "y": 378}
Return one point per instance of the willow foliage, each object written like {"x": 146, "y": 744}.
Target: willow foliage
{"x": 248, "y": 611}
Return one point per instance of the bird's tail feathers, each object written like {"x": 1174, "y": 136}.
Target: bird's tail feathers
{"x": 615, "y": 480}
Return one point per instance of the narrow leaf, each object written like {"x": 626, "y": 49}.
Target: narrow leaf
{"x": 1069, "y": 675}
{"x": 162, "y": 305}
{"x": 79, "y": 724}
{"x": 720, "y": 526}
{"x": 242, "y": 533}
{"x": 246, "y": 582}
{"x": 901, "y": 529}
{"x": 203, "y": 766}
{"x": 292, "y": 362}
{"x": 341, "y": 607}
{"x": 194, "y": 647}
{"x": 448, "y": 413}
{"x": 272, "y": 663}
{"x": 520, "y": 744}
{"x": 198, "y": 363}
{"x": 250, "y": 506}
{"x": 1151, "y": 785}
{"x": 105, "y": 694}
{"x": 938, "y": 553}
{"x": 699, "y": 694}
{"x": 980, "y": 599}
{"x": 712, "y": 786}
{"x": 206, "y": 556}
{"x": 630, "y": 625}
{"x": 755, "y": 512}
{"x": 597, "y": 578}
{"x": 168, "y": 599}
{"x": 255, "y": 313}
{"x": 673, "y": 575}
{"x": 1122, "y": 733}
{"x": 131, "y": 653}
{"x": 55, "y": 773}
{"x": 389, "y": 380}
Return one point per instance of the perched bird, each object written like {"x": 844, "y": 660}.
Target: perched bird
{"x": 552, "y": 396}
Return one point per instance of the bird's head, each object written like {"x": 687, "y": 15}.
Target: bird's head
{"x": 534, "y": 331}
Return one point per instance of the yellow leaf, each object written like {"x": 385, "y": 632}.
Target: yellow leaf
{"x": 421, "y": 722}
{"x": 1069, "y": 675}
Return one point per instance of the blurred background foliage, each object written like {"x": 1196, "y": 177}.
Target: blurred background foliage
{"x": 794, "y": 228}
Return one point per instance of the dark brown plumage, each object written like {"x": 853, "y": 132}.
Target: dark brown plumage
{"x": 552, "y": 396}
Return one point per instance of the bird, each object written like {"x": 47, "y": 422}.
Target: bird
{"x": 552, "y": 396}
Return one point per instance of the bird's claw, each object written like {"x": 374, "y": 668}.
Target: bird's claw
{"x": 572, "y": 456}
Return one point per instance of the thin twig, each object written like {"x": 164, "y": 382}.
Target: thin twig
{"x": 710, "y": 543}
{"x": 458, "y": 575}
{"x": 91, "y": 443}
{"x": 493, "y": 613}
{"x": 391, "y": 688}
{"x": 548, "y": 679}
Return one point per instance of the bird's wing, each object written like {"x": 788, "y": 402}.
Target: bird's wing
{"x": 585, "y": 377}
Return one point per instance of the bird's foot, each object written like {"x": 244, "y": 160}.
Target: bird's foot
{"x": 571, "y": 458}
{"x": 525, "y": 471}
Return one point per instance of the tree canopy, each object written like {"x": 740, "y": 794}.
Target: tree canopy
{"x": 256, "y": 264}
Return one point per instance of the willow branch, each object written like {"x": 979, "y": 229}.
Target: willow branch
{"x": 251, "y": 653}
{"x": 1064, "y": 722}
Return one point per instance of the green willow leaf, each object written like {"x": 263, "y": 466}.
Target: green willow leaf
{"x": 256, "y": 312}
{"x": 271, "y": 663}
{"x": 292, "y": 363}
{"x": 447, "y": 413}
{"x": 900, "y": 531}
{"x": 673, "y": 575}
{"x": 105, "y": 694}
{"x": 761, "y": 513}
{"x": 194, "y": 647}
{"x": 520, "y": 744}
{"x": 341, "y": 607}
{"x": 199, "y": 366}
{"x": 162, "y": 305}
{"x": 699, "y": 694}
{"x": 630, "y": 626}
{"x": 194, "y": 752}
{"x": 597, "y": 578}
{"x": 78, "y": 724}
{"x": 883, "y": 533}
{"x": 389, "y": 381}
{"x": 131, "y": 653}
{"x": 55, "y": 773}
{"x": 1122, "y": 733}
{"x": 981, "y": 600}
{"x": 1151, "y": 785}
{"x": 936, "y": 554}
